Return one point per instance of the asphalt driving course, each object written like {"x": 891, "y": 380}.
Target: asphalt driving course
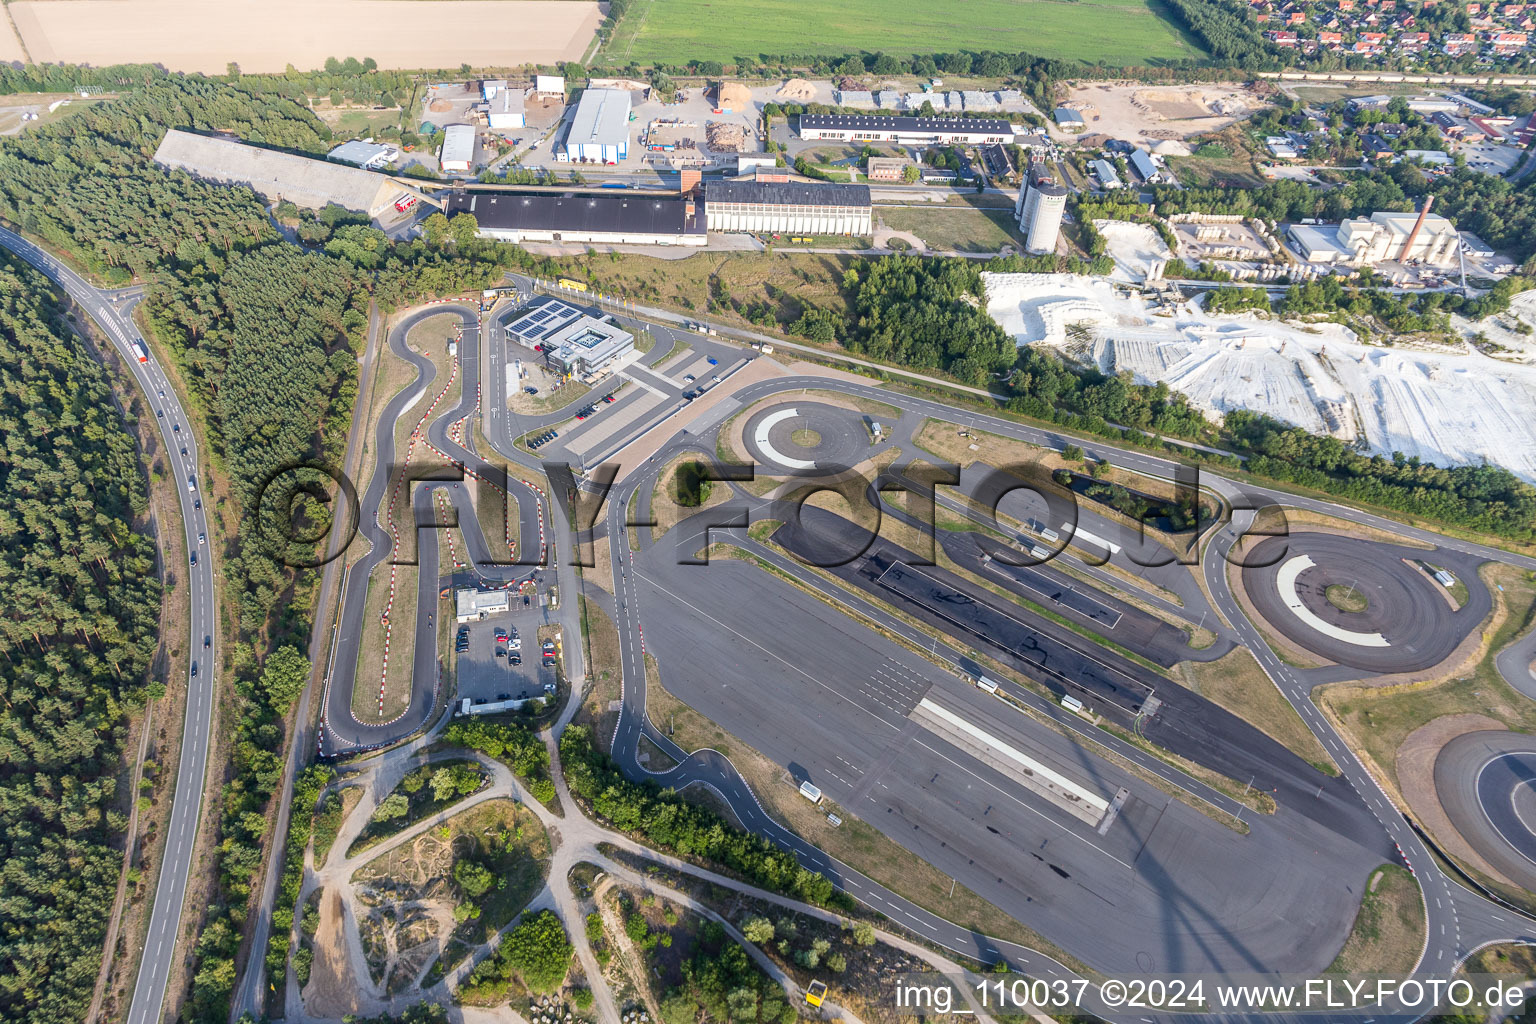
{"x": 1486, "y": 782}
{"x": 1407, "y": 624}
{"x": 822, "y": 695}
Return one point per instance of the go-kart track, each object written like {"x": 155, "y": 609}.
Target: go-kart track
{"x": 1406, "y": 623}
{"x": 395, "y": 502}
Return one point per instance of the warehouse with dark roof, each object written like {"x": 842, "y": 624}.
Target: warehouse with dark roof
{"x": 631, "y": 218}
{"x": 787, "y": 206}
{"x": 911, "y": 131}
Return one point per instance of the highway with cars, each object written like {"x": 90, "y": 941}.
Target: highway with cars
{"x": 111, "y": 312}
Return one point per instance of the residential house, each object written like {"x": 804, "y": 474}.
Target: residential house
{"x": 1458, "y": 43}
{"x": 1506, "y": 43}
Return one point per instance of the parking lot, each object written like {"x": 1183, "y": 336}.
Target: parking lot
{"x": 491, "y": 670}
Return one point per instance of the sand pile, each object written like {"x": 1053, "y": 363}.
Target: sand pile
{"x": 796, "y": 89}
{"x": 735, "y": 96}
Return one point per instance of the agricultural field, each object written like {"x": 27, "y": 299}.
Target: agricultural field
{"x": 191, "y": 35}
{"x": 1116, "y": 31}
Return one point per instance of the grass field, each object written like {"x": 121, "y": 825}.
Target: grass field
{"x": 957, "y": 228}
{"x": 1389, "y": 928}
{"x": 1116, "y": 31}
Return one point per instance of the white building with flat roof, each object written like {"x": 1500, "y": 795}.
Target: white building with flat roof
{"x": 368, "y": 155}
{"x": 507, "y": 109}
{"x": 599, "y": 131}
{"x": 471, "y": 605}
{"x": 458, "y": 152}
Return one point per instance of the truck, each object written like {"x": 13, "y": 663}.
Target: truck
{"x": 405, "y": 202}
{"x": 573, "y": 284}
{"x": 140, "y": 352}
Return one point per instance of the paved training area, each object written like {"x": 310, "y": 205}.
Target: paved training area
{"x": 806, "y": 437}
{"x": 1405, "y": 622}
{"x": 1486, "y": 782}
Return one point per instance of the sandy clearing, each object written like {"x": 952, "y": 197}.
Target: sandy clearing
{"x": 267, "y": 35}
{"x": 1125, "y": 110}
{"x": 1416, "y": 777}
{"x": 333, "y": 982}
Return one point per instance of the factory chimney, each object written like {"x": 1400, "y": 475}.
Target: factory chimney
{"x": 1413, "y": 235}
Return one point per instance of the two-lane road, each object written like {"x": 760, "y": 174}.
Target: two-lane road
{"x": 110, "y": 311}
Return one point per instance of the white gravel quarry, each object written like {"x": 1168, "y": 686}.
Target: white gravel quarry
{"x": 1448, "y": 407}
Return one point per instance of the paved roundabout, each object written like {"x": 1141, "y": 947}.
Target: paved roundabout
{"x": 1486, "y": 782}
{"x": 1361, "y": 603}
{"x": 805, "y": 437}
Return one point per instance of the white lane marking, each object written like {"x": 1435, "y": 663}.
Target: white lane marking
{"x": 1285, "y": 583}
{"x": 766, "y": 424}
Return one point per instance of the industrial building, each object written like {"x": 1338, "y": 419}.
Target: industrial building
{"x": 1105, "y": 172}
{"x": 886, "y": 168}
{"x": 1366, "y": 241}
{"x": 599, "y": 131}
{"x": 573, "y": 340}
{"x": 600, "y": 218}
{"x": 1400, "y": 236}
{"x": 1069, "y": 120}
{"x": 506, "y": 109}
{"x": 368, "y": 155}
{"x": 1042, "y": 201}
{"x": 305, "y": 181}
{"x": 787, "y": 207}
{"x": 458, "y": 152}
{"x": 471, "y": 605}
{"x": 1144, "y": 167}
{"x": 911, "y": 131}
